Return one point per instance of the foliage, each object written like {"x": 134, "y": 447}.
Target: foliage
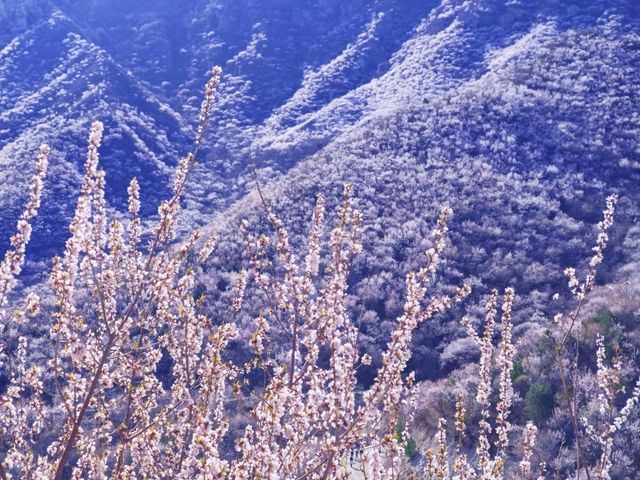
{"x": 410, "y": 446}
{"x": 517, "y": 371}
{"x": 539, "y": 403}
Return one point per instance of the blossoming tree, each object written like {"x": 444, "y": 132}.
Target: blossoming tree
{"x": 98, "y": 408}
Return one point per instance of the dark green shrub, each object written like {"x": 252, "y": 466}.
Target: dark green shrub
{"x": 410, "y": 448}
{"x": 539, "y": 403}
{"x": 517, "y": 370}
{"x": 602, "y": 323}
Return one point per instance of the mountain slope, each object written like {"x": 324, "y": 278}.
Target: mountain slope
{"x": 54, "y": 82}
{"x": 525, "y": 150}
{"x": 503, "y": 109}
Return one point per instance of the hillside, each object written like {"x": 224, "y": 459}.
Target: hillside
{"x": 524, "y": 149}
{"x": 53, "y": 82}
{"x": 520, "y": 115}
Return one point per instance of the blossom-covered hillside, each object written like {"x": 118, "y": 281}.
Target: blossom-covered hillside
{"x": 522, "y": 143}
{"x": 298, "y": 75}
{"x": 520, "y": 115}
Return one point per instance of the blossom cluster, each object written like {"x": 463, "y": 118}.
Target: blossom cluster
{"x": 14, "y": 258}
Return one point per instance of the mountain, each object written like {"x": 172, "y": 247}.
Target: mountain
{"x": 521, "y": 115}
{"x": 17, "y": 17}
{"x": 521, "y": 118}
{"x": 54, "y": 82}
{"x": 143, "y": 76}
